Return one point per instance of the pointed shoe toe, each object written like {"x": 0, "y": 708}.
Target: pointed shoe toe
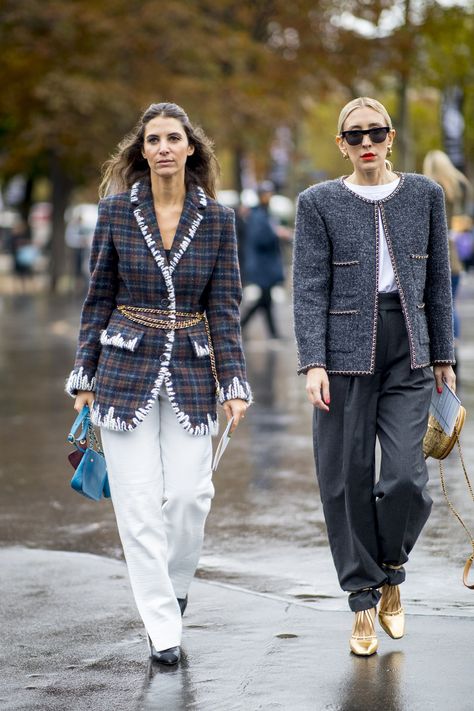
{"x": 391, "y": 612}
{"x": 167, "y": 656}
{"x": 363, "y": 641}
{"x": 183, "y": 603}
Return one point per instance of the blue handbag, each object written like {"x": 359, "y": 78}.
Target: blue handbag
{"x": 90, "y": 478}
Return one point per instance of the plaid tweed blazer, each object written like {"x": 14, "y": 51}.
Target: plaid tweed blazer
{"x": 126, "y": 363}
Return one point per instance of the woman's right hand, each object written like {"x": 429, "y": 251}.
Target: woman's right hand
{"x": 83, "y": 397}
{"x": 317, "y": 388}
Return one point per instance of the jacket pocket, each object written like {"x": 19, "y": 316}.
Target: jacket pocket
{"x": 345, "y": 277}
{"x": 422, "y": 325}
{"x": 200, "y": 344}
{"x": 121, "y": 336}
{"x": 418, "y": 267}
{"x": 342, "y": 324}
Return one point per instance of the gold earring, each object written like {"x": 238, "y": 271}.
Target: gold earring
{"x": 345, "y": 156}
{"x": 389, "y": 151}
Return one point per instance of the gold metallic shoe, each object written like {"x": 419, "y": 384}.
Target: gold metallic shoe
{"x": 391, "y": 612}
{"x": 363, "y": 641}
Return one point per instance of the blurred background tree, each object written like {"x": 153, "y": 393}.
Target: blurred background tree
{"x": 77, "y": 74}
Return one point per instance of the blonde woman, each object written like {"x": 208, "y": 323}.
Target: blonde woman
{"x": 372, "y": 307}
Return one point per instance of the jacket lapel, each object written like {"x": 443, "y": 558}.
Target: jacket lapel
{"x": 144, "y": 213}
{"x": 191, "y": 216}
{"x": 193, "y": 212}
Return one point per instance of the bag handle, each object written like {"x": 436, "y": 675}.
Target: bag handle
{"x": 469, "y": 561}
{"x": 81, "y": 419}
{"x": 465, "y": 574}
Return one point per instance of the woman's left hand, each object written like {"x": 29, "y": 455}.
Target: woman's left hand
{"x": 444, "y": 374}
{"x": 236, "y": 409}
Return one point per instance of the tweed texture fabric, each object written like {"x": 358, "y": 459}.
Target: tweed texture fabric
{"x": 336, "y": 274}
{"x": 126, "y": 363}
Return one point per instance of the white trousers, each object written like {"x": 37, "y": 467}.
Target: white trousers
{"x": 161, "y": 486}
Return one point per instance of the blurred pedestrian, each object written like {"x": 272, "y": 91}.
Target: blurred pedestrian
{"x": 24, "y": 253}
{"x": 372, "y": 304}
{"x": 457, "y": 191}
{"x": 241, "y": 213}
{"x": 77, "y": 237}
{"x": 263, "y": 261}
{"x": 463, "y": 237}
{"x": 159, "y": 342}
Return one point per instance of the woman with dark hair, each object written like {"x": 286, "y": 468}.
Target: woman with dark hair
{"x": 159, "y": 344}
{"x": 372, "y": 302}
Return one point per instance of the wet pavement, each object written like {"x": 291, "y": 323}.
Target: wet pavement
{"x": 265, "y": 559}
{"x": 81, "y": 646}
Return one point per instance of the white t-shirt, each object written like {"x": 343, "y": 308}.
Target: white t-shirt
{"x": 387, "y": 281}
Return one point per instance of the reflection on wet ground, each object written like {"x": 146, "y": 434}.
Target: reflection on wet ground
{"x": 266, "y": 530}
{"x": 241, "y": 649}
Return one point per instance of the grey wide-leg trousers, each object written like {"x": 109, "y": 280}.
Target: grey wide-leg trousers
{"x": 373, "y": 525}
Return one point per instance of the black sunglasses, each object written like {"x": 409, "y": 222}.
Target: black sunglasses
{"x": 376, "y": 135}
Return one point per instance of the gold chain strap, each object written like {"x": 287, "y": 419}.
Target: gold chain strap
{"x": 212, "y": 357}
{"x": 140, "y": 315}
{"x": 144, "y": 316}
{"x": 456, "y": 514}
{"x": 93, "y": 441}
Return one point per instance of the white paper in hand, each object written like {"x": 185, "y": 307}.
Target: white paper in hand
{"x": 222, "y": 446}
{"x": 445, "y": 408}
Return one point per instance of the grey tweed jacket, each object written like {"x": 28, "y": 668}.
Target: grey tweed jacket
{"x": 336, "y": 274}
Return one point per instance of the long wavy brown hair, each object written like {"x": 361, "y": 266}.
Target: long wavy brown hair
{"x": 128, "y": 165}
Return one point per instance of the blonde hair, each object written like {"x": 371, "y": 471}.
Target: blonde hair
{"x": 360, "y": 103}
{"x": 439, "y": 167}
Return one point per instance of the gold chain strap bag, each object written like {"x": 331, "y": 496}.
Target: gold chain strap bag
{"x": 438, "y": 442}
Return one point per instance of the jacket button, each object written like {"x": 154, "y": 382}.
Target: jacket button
{"x": 163, "y": 357}
{"x": 165, "y": 302}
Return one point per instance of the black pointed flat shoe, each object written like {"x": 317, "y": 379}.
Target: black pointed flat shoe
{"x": 183, "y": 603}
{"x": 169, "y": 656}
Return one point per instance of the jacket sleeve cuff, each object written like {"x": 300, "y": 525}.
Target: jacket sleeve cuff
{"x": 236, "y": 389}
{"x": 304, "y": 369}
{"x": 79, "y": 380}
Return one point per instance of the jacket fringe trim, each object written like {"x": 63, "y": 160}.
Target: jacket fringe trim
{"x": 119, "y": 341}
{"x": 191, "y": 232}
{"x": 199, "y": 350}
{"x": 79, "y": 380}
{"x": 236, "y": 389}
{"x": 110, "y": 422}
{"x": 212, "y": 426}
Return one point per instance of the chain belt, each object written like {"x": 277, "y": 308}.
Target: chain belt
{"x": 150, "y": 317}
{"x": 181, "y": 319}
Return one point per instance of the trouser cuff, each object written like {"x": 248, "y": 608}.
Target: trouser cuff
{"x": 364, "y": 599}
{"x": 395, "y": 576}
